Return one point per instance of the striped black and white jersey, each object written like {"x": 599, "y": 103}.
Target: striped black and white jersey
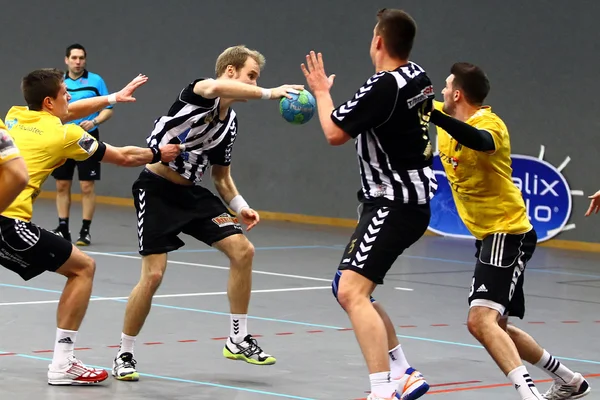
{"x": 194, "y": 121}
{"x": 389, "y": 119}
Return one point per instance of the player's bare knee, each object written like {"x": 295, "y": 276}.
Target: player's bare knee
{"x": 347, "y": 296}
{"x": 87, "y": 187}
{"x": 154, "y": 279}
{"x": 243, "y": 254}
{"x": 63, "y": 186}
{"x": 479, "y": 320}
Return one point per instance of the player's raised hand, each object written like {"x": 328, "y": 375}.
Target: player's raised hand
{"x": 169, "y": 152}
{"x": 125, "y": 95}
{"x": 594, "y": 204}
{"x": 285, "y": 90}
{"x": 314, "y": 72}
{"x": 249, "y": 217}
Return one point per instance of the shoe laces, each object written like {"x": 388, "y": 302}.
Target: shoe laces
{"x": 252, "y": 348}
{"x": 127, "y": 360}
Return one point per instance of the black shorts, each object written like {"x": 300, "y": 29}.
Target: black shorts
{"x": 382, "y": 234}
{"x": 87, "y": 170}
{"x": 165, "y": 209}
{"x": 30, "y": 250}
{"x": 499, "y": 272}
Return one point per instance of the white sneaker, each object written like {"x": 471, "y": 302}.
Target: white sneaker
{"x": 576, "y": 389}
{"x": 411, "y": 385}
{"x": 124, "y": 368}
{"x": 75, "y": 373}
{"x": 373, "y": 397}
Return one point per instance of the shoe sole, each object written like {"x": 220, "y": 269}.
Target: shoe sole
{"x": 71, "y": 382}
{"x": 589, "y": 389}
{"x": 424, "y": 388}
{"x": 241, "y": 357}
{"x": 82, "y": 243}
{"x": 133, "y": 377}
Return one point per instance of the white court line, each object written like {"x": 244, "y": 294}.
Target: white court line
{"x": 310, "y": 278}
{"x": 404, "y": 289}
{"x": 20, "y": 303}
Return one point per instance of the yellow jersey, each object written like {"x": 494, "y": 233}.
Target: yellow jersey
{"x": 45, "y": 144}
{"x": 8, "y": 150}
{"x": 486, "y": 197}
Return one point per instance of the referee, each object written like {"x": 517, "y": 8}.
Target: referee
{"x": 81, "y": 84}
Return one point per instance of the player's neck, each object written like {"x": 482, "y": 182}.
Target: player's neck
{"x": 75, "y": 76}
{"x": 463, "y": 113}
{"x": 389, "y": 64}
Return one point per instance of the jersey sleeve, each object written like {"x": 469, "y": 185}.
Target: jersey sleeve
{"x": 221, "y": 154}
{"x": 8, "y": 150}
{"x": 103, "y": 90}
{"x": 371, "y": 105}
{"x": 187, "y": 95}
{"x": 78, "y": 145}
{"x": 494, "y": 128}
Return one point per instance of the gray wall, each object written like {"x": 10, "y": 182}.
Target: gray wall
{"x": 541, "y": 57}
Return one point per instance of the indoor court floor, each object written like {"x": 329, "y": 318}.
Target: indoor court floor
{"x": 293, "y": 313}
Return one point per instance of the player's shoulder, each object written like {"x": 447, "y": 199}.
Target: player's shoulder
{"x": 94, "y": 77}
{"x": 485, "y": 117}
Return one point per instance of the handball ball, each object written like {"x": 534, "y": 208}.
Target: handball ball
{"x": 299, "y": 109}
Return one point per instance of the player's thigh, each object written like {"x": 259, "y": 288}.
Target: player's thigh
{"x": 382, "y": 234}
{"x": 160, "y": 218}
{"x": 65, "y": 172}
{"x": 78, "y": 264}
{"x": 213, "y": 223}
{"x": 499, "y": 273}
{"x": 29, "y": 250}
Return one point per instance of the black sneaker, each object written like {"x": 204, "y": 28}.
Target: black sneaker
{"x": 84, "y": 239}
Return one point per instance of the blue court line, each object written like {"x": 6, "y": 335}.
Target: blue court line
{"x": 286, "y": 321}
{"x": 168, "y": 378}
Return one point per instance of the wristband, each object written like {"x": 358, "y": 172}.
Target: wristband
{"x": 266, "y": 94}
{"x": 238, "y": 203}
{"x": 156, "y": 155}
{"x": 112, "y": 98}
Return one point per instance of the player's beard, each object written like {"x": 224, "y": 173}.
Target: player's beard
{"x": 449, "y": 107}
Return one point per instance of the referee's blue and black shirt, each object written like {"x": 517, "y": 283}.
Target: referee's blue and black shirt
{"x": 86, "y": 86}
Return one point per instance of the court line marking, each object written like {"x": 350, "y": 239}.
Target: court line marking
{"x": 310, "y": 278}
{"x": 335, "y": 247}
{"x": 20, "y": 303}
{"x": 292, "y": 322}
{"x": 168, "y": 378}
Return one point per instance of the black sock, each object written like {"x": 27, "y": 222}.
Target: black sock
{"x": 85, "y": 226}
{"x": 63, "y": 224}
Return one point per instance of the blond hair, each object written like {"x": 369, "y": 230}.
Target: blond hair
{"x": 236, "y": 56}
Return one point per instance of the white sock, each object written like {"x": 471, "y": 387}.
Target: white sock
{"x": 382, "y": 385}
{"x": 239, "y": 328}
{"x": 524, "y": 384}
{"x": 398, "y": 362}
{"x": 63, "y": 347}
{"x": 555, "y": 368}
{"x": 127, "y": 343}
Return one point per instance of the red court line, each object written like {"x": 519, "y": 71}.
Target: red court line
{"x": 570, "y": 322}
{"x": 8, "y": 354}
{"x": 407, "y": 326}
{"x": 489, "y": 386}
{"x": 318, "y": 331}
{"x": 284, "y": 333}
{"x": 454, "y": 383}
{"x": 439, "y": 325}
{"x": 492, "y": 386}
{"x": 152, "y": 343}
{"x": 187, "y": 341}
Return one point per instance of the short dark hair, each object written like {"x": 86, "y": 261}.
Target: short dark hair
{"x": 39, "y": 84}
{"x": 73, "y": 47}
{"x": 398, "y": 30}
{"x": 472, "y": 81}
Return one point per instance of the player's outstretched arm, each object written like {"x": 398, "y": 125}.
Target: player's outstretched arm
{"x": 230, "y": 89}
{"x": 13, "y": 179}
{"x": 82, "y": 108}
{"x": 465, "y": 134}
{"x": 132, "y": 156}
{"x": 594, "y": 204}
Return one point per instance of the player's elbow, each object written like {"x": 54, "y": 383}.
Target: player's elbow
{"x": 209, "y": 89}
{"x": 336, "y": 140}
{"x": 21, "y": 178}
